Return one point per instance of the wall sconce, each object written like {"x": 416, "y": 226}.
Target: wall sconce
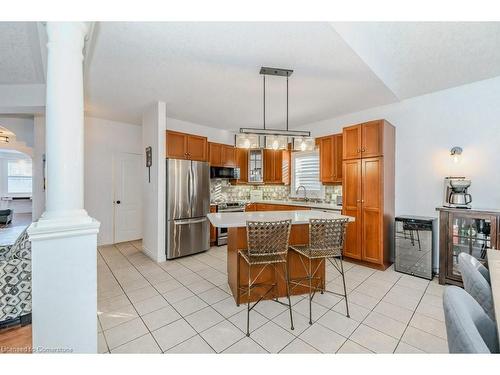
{"x": 456, "y": 153}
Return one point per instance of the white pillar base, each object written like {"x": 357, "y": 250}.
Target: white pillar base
{"x": 64, "y": 284}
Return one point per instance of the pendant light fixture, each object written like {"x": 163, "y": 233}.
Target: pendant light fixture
{"x": 274, "y": 139}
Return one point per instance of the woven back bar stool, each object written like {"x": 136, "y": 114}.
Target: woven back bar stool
{"x": 326, "y": 241}
{"x": 267, "y": 243}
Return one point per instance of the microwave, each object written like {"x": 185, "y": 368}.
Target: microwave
{"x": 225, "y": 172}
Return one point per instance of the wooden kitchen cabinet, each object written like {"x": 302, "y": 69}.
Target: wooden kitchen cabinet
{"x": 368, "y": 193}
{"x": 186, "y": 146}
{"x": 351, "y": 193}
{"x": 221, "y": 155}
{"x": 330, "y": 158}
{"x": 215, "y": 154}
{"x": 364, "y": 140}
{"x": 273, "y": 167}
{"x": 213, "y": 230}
{"x": 242, "y": 164}
{"x": 229, "y": 156}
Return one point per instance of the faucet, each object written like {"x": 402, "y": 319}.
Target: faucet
{"x": 305, "y": 192}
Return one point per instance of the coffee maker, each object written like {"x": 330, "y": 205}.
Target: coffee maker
{"x": 455, "y": 192}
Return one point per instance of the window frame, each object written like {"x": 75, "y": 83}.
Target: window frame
{"x": 316, "y": 194}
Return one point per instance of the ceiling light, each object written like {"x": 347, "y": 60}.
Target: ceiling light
{"x": 304, "y": 144}
{"x": 275, "y": 139}
{"x": 247, "y": 141}
{"x": 276, "y": 142}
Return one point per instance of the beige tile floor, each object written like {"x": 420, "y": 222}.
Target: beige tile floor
{"x": 185, "y": 306}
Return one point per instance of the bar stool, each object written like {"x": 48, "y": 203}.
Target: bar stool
{"x": 326, "y": 241}
{"x": 267, "y": 243}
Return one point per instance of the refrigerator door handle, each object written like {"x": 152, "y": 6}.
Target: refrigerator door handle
{"x": 190, "y": 221}
{"x": 191, "y": 184}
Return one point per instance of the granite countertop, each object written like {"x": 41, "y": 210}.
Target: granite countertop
{"x": 239, "y": 219}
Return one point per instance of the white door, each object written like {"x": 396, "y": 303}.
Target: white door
{"x": 127, "y": 197}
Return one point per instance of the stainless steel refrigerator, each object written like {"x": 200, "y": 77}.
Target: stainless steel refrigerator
{"x": 188, "y": 203}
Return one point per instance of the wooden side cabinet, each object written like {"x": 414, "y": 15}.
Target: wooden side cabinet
{"x": 330, "y": 158}
{"x": 462, "y": 230}
{"x": 186, "y": 146}
{"x": 368, "y": 182}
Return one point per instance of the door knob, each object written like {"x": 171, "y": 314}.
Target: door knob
{"x": 118, "y": 202}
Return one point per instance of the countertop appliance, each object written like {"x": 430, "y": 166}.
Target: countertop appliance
{"x": 188, "y": 203}
{"x": 225, "y": 172}
{"x": 414, "y": 246}
{"x": 227, "y": 207}
{"x": 455, "y": 192}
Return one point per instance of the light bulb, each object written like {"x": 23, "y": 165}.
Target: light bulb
{"x": 303, "y": 145}
{"x": 246, "y": 143}
{"x": 276, "y": 145}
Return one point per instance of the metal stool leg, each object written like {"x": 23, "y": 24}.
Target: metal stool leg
{"x": 345, "y": 290}
{"x": 248, "y": 295}
{"x": 310, "y": 292}
{"x": 288, "y": 295}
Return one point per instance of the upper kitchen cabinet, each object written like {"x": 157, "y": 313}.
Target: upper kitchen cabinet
{"x": 274, "y": 165}
{"x": 242, "y": 164}
{"x": 221, "y": 155}
{"x": 364, "y": 140}
{"x": 330, "y": 158}
{"x": 186, "y": 146}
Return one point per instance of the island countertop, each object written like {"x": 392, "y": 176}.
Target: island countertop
{"x": 239, "y": 219}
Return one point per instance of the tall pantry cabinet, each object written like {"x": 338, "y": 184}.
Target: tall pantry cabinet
{"x": 368, "y": 191}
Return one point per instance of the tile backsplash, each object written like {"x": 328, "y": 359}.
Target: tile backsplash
{"x": 223, "y": 191}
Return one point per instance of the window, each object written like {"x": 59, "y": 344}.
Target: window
{"x": 19, "y": 176}
{"x": 305, "y": 172}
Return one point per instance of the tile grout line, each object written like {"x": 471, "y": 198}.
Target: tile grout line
{"x": 181, "y": 315}
{"x": 208, "y": 305}
{"x": 126, "y": 295}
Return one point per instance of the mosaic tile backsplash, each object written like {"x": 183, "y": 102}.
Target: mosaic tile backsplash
{"x": 223, "y": 191}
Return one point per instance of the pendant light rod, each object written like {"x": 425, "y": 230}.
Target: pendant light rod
{"x": 287, "y": 101}
{"x": 264, "y": 102}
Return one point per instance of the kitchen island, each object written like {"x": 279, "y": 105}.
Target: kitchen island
{"x": 237, "y": 268}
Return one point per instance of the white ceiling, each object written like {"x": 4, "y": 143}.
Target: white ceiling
{"x": 20, "y": 57}
{"x": 208, "y": 73}
{"x": 415, "y": 58}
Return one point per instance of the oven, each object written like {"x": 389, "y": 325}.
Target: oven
{"x": 227, "y": 207}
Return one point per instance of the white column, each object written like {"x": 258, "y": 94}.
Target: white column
{"x": 64, "y": 120}
{"x": 64, "y": 240}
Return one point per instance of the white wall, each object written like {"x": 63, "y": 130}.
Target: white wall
{"x": 427, "y": 127}
{"x": 21, "y": 126}
{"x": 153, "y": 134}
{"x": 38, "y": 154}
{"x": 103, "y": 139}
{"x": 213, "y": 134}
